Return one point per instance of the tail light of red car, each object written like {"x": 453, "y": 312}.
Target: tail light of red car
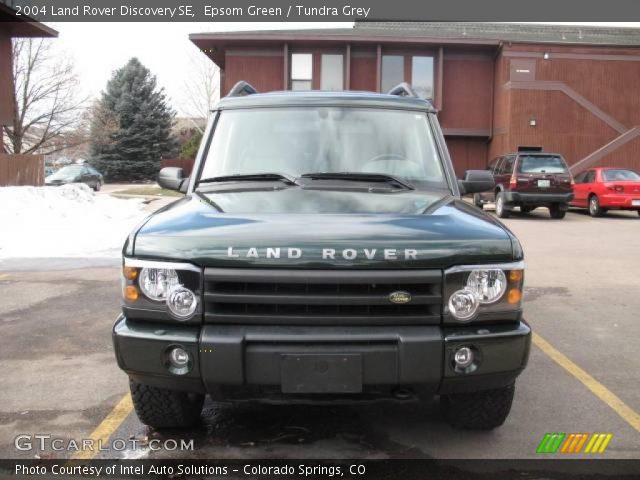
{"x": 513, "y": 181}
{"x": 614, "y": 188}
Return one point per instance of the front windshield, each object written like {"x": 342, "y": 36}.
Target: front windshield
{"x": 68, "y": 173}
{"x": 298, "y": 140}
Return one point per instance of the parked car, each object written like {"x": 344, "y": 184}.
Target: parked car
{"x": 322, "y": 251}
{"x": 76, "y": 174}
{"x": 529, "y": 180}
{"x": 602, "y": 189}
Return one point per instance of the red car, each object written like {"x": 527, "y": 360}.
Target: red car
{"x": 602, "y": 189}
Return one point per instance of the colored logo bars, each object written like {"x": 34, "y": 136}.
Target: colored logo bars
{"x": 574, "y": 443}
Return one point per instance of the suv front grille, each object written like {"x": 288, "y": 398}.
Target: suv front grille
{"x": 321, "y": 297}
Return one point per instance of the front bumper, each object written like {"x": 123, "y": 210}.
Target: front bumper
{"x": 251, "y": 357}
{"x": 538, "y": 198}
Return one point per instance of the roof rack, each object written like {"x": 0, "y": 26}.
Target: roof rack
{"x": 242, "y": 89}
{"x": 402, "y": 90}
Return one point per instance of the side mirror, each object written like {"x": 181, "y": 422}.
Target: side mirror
{"x": 476, "y": 181}
{"x": 172, "y": 178}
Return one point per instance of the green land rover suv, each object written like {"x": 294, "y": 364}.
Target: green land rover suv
{"x": 322, "y": 251}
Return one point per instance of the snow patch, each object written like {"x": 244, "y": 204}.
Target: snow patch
{"x": 66, "y": 221}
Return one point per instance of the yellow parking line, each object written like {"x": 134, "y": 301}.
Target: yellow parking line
{"x": 4, "y": 276}
{"x": 106, "y": 428}
{"x": 603, "y": 393}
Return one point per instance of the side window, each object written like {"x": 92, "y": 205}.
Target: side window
{"x": 591, "y": 176}
{"x": 507, "y": 165}
{"x": 492, "y": 164}
{"x": 580, "y": 178}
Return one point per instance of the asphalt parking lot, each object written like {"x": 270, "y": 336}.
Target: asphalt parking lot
{"x": 60, "y": 376}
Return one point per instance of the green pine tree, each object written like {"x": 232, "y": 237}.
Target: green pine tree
{"x": 131, "y": 126}
{"x": 189, "y": 149}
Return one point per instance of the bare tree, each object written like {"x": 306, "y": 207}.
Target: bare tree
{"x": 45, "y": 95}
{"x": 201, "y": 89}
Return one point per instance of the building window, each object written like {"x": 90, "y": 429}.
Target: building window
{"x": 422, "y": 76}
{"x": 301, "y": 71}
{"x": 392, "y": 71}
{"x": 332, "y": 73}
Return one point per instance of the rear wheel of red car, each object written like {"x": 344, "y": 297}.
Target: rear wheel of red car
{"x": 595, "y": 210}
{"x": 556, "y": 212}
{"x": 501, "y": 209}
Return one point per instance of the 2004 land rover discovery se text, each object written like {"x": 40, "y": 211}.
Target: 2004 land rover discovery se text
{"x": 322, "y": 252}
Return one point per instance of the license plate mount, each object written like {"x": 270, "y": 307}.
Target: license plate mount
{"x": 321, "y": 373}
{"x": 544, "y": 183}
{"x": 635, "y": 203}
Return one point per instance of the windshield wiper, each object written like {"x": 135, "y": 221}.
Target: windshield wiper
{"x": 251, "y": 177}
{"x": 359, "y": 177}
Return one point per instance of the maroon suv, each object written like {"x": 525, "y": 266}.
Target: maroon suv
{"x": 529, "y": 180}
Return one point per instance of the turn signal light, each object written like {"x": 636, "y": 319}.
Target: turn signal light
{"x": 131, "y": 293}
{"x": 515, "y": 275}
{"x": 130, "y": 273}
{"x": 514, "y": 295}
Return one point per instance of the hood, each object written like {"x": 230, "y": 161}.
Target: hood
{"x": 302, "y": 228}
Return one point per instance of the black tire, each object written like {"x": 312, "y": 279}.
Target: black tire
{"x": 638, "y": 212}
{"x": 527, "y": 209}
{"x": 556, "y": 212}
{"x": 595, "y": 210}
{"x": 162, "y": 408}
{"x": 477, "y": 201}
{"x": 98, "y": 186}
{"x": 482, "y": 410}
{"x": 501, "y": 209}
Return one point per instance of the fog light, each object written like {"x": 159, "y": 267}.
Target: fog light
{"x": 463, "y": 357}
{"x": 182, "y": 302}
{"x": 179, "y": 361}
{"x": 463, "y": 304}
{"x": 180, "y": 358}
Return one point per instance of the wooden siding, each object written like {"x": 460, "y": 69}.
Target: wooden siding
{"x": 6, "y": 81}
{"x": 467, "y": 153}
{"x": 363, "y": 71}
{"x": 17, "y": 170}
{"x": 467, "y": 88}
{"x": 581, "y": 98}
{"x": 262, "y": 70}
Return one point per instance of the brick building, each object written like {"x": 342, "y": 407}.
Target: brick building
{"x": 497, "y": 87}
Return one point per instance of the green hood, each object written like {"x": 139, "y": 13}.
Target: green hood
{"x": 301, "y": 228}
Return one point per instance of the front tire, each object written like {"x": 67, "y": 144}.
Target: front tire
{"x": 595, "y": 210}
{"x": 163, "y": 408}
{"x": 98, "y": 186}
{"x": 501, "y": 209}
{"x": 477, "y": 201}
{"x": 484, "y": 410}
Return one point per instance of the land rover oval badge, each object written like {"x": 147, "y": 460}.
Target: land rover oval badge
{"x": 400, "y": 297}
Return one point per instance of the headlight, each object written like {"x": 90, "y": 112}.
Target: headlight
{"x": 463, "y": 304}
{"x": 156, "y": 283}
{"x": 182, "y": 302}
{"x": 483, "y": 293}
{"x": 488, "y": 285}
{"x": 162, "y": 291}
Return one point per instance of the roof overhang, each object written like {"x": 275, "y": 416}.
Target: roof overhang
{"x": 214, "y": 45}
{"x": 21, "y": 26}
